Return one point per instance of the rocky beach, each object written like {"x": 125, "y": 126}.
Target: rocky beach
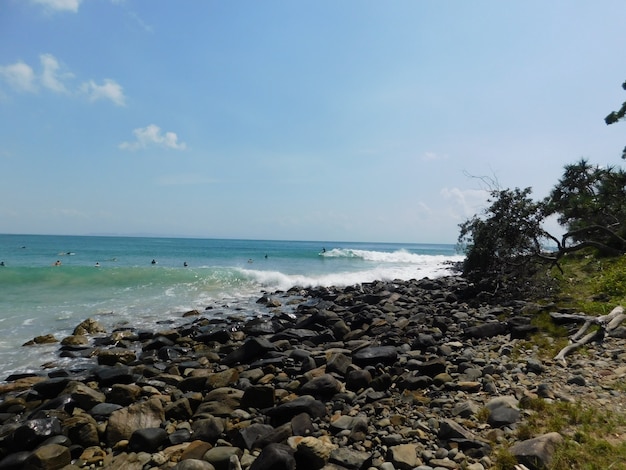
{"x": 404, "y": 375}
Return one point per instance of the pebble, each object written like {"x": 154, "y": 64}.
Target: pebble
{"x": 379, "y": 376}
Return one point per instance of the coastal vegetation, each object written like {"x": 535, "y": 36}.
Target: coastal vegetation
{"x": 510, "y": 254}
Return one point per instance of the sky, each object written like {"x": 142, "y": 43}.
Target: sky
{"x": 311, "y": 120}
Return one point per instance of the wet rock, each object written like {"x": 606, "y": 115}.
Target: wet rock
{"x": 48, "y": 457}
{"x": 123, "y": 422}
{"x": 35, "y": 431}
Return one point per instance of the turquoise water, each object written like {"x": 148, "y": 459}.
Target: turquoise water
{"x": 114, "y": 280}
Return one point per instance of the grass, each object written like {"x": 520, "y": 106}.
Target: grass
{"x": 594, "y": 439}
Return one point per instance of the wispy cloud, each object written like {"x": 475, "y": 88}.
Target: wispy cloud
{"x": 50, "y": 77}
{"x": 152, "y": 136}
{"x": 59, "y": 5}
{"x": 466, "y": 202}
{"x": 21, "y": 77}
{"x": 109, "y": 90}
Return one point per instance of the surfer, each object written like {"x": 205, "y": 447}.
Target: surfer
{"x": 1, "y": 263}
{"x": 57, "y": 263}
{"x": 185, "y": 264}
{"x": 153, "y": 261}
{"x": 97, "y": 265}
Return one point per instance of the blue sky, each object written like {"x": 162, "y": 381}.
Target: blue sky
{"x": 311, "y": 120}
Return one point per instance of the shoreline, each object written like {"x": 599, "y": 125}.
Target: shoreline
{"x": 383, "y": 375}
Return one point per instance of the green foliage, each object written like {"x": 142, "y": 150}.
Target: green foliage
{"x": 615, "y": 116}
{"x": 509, "y": 231}
{"x": 590, "y": 202}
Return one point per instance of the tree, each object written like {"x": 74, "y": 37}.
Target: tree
{"x": 590, "y": 202}
{"x": 499, "y": 244}
{"x": 616, "y": 116}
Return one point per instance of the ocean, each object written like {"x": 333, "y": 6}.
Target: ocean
{"x": 49, "y": 284}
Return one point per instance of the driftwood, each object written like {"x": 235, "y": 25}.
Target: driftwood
{"x": 606, "y": 323}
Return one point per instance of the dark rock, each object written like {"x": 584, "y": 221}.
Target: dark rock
{"x": 82, "y": 429}
{"x": 258, "y": 397}
{"x": 253, "y": 348}
{"x": 207, "y": 429}
{"x": 147, "y": 440}
{"x": 358, "y": 379}
{"x": 107, "y": 376}
{"x": 14, "y": 461}
{"x": 247, "y": 436}
{"x": 324, "y": 386}
{"x": 373, "y": 355}
{"x": 33, "y": 432}
{"x": 103, "y": 410}
{"x": 433, "y": 366}
{"x": 306, "y": 404}
{"x": 275, "y": 457}
{"x": 178, "y": 437}
{"x": 487, "y": 330}
{"x": 48, "y": 457}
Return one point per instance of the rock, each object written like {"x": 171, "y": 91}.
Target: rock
{"x": 43, "y": 339}
{"x": 275, "y": 457}
{"x": 147, "y": 440}
{"x": 358, "y": 379}
{"x": 253, "y": 348}
{"x": 208, "y": 429}
{"x": 374, "y": 355}
{"x": 220, "y": 456}
{"x": 502, "y": 411}
{"x": 113, "y": 356}
{"x": 259, "y": 397}
{"x": 179, "y": 410}
{"x": 83, "y": 396}
{"x": 312, "y": 453}
{"x": 487, "y": 330}
{"x": 193, "y": 464}
{"x": 82, "y": 429}
{"x": 324, "y": 386}
{"x": 14, "y": 461}
{"x": 306, "y": 404}
{"x": 123, "y": 422}
{"x": 75, "y": 340}
{"x": 89, "y": 327}
{"x": 536, "y": 453}
{"x": 48, "y": 457}
{"x": 404, "y": 456}
{"x": 349, "y": 458}
{"x": 35, "y": 431}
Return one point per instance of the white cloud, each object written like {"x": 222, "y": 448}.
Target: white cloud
{"x": 19, "y": 76}
{"x": 466, "y": 201}
{"x": 49, "y": 77}
{"x": 109, "y": 90}
{"x": 152, "y": 135}
{"x": 60, "y": 5}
